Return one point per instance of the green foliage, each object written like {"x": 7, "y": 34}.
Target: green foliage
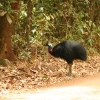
{"x": 5, "y": 8}
{"x": 56, "y": 20}
{"x": 40, "y": 26}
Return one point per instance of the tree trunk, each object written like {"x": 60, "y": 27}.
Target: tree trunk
{"x": 29, "y": 18}
{"x": 92, "y": 9}
{"x": 6, "y": 30}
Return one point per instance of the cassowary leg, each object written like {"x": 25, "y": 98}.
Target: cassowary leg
{"x": 70, "y": 70}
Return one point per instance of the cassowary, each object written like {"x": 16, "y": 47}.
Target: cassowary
{"x": 69, "y": 51}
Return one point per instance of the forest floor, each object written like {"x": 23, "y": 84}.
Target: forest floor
{"x": 83, "y": 88}
{"x": 45, "y": 78}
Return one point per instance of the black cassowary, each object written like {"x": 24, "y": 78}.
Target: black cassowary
{"x": 69, "y": 51}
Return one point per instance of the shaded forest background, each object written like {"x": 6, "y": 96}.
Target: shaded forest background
{"x": 40, "y": 20}
{"x": 25, "y": 28}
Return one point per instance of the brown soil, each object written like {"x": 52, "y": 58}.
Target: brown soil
{"x": 81, "y": 88}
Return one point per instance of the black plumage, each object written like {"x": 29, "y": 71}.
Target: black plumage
{"x": 69, "y": 51}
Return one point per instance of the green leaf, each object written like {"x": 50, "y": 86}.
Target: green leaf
{"x": 45, "y": 76}
{"x": 9, "y": 19}
{"x": 90, "y": 41}
{"x": 87, "y": 1}
{"x": 2, "y": 13}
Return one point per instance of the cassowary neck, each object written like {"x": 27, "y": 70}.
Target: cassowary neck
{"x": 50, "y": 48}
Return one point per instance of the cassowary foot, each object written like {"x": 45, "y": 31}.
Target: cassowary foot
{"x": 69, "y": 74}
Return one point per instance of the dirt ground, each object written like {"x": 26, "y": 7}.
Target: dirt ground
{"x": 80, "y": 88}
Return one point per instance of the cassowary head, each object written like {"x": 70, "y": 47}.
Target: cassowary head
{"x": 50, "y": 47}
